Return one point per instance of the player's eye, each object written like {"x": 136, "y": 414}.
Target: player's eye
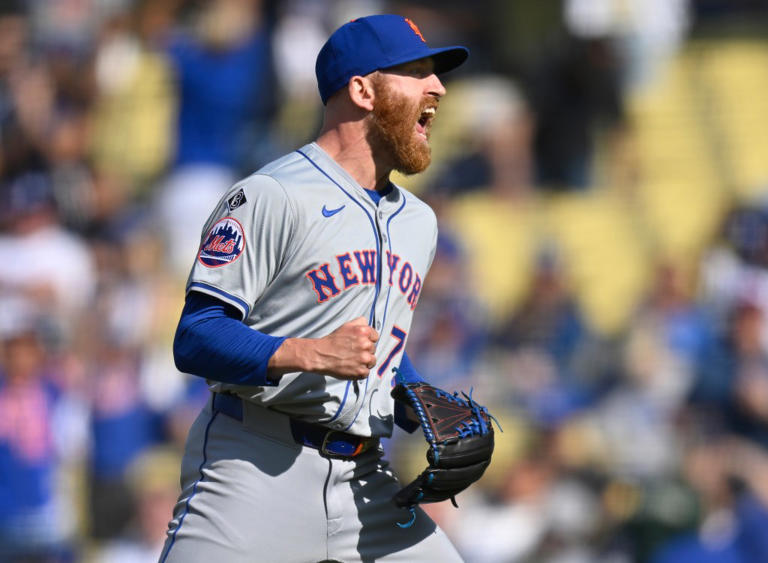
{"x": 418, "y": 69}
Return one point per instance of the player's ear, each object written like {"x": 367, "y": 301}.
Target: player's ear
{"x": 362, "y": 92}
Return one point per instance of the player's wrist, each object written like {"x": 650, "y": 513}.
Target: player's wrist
{"x": 290, "y": 356}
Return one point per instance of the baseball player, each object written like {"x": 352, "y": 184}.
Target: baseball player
{"x": 298, "y": 308}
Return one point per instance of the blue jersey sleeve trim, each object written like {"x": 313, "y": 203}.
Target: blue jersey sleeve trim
{"x": 241, "y": 305}
{"x": 211, "y": 342}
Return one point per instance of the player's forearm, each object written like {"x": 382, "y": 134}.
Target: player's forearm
{"x": 304, "y": 354}
{"x": 316, "y": 355}
{"x": 294, "y": 354}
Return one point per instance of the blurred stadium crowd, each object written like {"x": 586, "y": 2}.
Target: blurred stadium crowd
{"x": 600, "y": 175}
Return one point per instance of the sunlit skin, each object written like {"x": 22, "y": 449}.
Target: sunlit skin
{"x": 378, "y": 123}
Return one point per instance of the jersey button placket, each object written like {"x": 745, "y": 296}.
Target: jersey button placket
{"x": 380, "y": 304}
{"x": 382, "y": 224}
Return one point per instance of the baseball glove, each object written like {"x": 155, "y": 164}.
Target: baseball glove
{"x": 460, "y": 438}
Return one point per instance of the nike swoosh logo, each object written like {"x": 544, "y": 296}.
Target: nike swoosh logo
{"x": 331, "y": 212}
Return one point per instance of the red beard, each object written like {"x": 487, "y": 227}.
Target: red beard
{"x": 391, "y": 130}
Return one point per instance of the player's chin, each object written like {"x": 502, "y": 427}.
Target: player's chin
{"x": 417, "y": 160}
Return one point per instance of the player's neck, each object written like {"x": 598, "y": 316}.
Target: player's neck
{"x": 350, "y": 149}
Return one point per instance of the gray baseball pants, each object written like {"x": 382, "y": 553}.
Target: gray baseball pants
{"x": 251, "y": 493}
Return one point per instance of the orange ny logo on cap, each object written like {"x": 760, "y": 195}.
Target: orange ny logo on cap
{"x": 415, "y": 29}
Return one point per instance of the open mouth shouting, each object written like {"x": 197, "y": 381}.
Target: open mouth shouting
{"x": 425, "y": 121}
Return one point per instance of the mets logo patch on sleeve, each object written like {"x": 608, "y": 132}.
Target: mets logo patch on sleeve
{"x": 223, "y": 244}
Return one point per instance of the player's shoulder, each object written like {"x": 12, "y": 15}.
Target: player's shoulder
{"x": 289, "y": 174}
{"x": 271, "y": 181}
{"x": 283, "y": 166}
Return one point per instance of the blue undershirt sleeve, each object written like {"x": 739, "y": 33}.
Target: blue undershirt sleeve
{"x": 212, "y": 342}
{"x": 410, "y": 374}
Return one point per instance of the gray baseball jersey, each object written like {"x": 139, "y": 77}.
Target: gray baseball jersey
{"x": 300, "y": 248}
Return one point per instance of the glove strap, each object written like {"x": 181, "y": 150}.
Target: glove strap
{"x": 411, "y": 521}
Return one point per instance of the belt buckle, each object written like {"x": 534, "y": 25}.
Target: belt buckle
{"x": 340, "y": 455}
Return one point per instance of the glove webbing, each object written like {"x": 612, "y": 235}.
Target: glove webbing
{"x": 465, "y": 429}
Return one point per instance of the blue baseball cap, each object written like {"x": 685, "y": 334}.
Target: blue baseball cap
{"x": 378, "y": 42}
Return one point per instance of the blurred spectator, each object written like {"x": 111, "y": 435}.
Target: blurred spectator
{"x": 122, "y": 426}
{"x": 746, "y": 368}
{"x": 521, "y": 509}
{"x": 298, "y": 37}
{"x": 548, "y": 318}
{"x": 154, "y": 486}
{"x": 729, "y": 477}
{"x": 554, "y": 517}
{"x": 647, "y": 33}
{"x": 136, "y": 302}
{"x": 735, "y": 291}
{"x": 300, "y": 31}
{"x": 575, "y": 92}
{"x": 670, "y": 339}
{"x": 660, "y": 355}
{"x": 130, "y": 384}
{"x": 545, "y": 339}
{"x": 225, "y": 84}
{"x": 42, "y": 260}
{"x": 734, "y": 269}
{"x": 36, "y": 522}
{"x": 30, "y": 114}
{"x": 70, "y": 26}
{"x": 134, "y": 109}
{"x": 14, "y": 28}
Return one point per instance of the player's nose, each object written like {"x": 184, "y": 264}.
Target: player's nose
{"x": 434, "y": 86}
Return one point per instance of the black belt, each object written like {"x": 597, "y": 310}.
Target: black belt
{"x": 330, "y": 443}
